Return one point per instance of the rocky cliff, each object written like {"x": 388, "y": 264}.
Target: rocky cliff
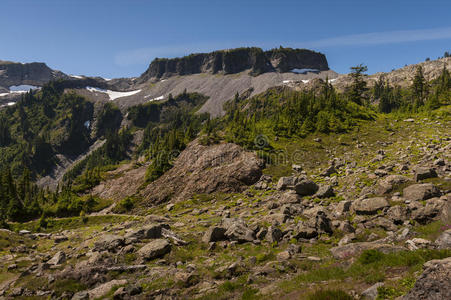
{"x": 35, "y": 73}
{"x": 237, "y": 60}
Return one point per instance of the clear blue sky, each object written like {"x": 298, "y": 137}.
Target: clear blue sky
{"x": 120, "y": 38}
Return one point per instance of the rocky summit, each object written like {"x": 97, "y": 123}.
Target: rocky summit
{"x": 225, "y": 176}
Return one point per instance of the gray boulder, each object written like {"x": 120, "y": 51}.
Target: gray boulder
{"x": 156, "y": 248}
{"x": 285, "y": 183}
{"x": 214, "y": 234}
{"x": 274, "y": 234}
{"x": 236, "y": 230}
{"x": 325, "y": 191}
{"x": 306, "y": 187}
{"x": 444, "y": 240}
{"x": 387, "y": 184}
{"x": 152, "y": 231}
{"x": 418, "y": 192}
{"x": 370, "y": 206}
{"x": 109, "y": 242}
{"x": 434, "y": 283}
{"x": 424, "y": 173}
{"x": 57, "y": 259}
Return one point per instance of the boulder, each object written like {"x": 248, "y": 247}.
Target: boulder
{"x": 306, "y": 187}
{"x": 57, "y": 259}
{"x": 236, "y": 230}
{"x": 418, "y": 192}
{"x": 329, "y": 171}
{"x": 201, "y": 169}
{"x": 354, "y": 249}
{"x": 152, "y": 231}
{"x": 387, "y": 184}
{"x": 109, "y": 242}
{"x": 285, "y": 183}
{"x": 214, "y": 234}
{"x": 370, "y": 206}
{"x": 431, "y": 211}
{"x": 424, "y": 173}
{"x": 325, "y": 191}
{"x": 274, "y": 234}
{"x": 434, "y": 283}
{"x": 304, "y": 231}
{"x": 398, "y": 214}
{"x": 444, "y": 240}
{"x": 342, "y": 208}
{"x": 371, "y": 292}
{"x": 103, "y": 289}
{"x": 156, "y": 248}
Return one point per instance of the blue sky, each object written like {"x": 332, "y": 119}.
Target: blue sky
{"x": 120, "y": 38}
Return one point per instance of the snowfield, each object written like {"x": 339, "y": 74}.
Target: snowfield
{"x": 155, "y": 99}
{"x": 112, "y": 94}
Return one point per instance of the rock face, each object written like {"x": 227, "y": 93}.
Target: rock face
{"x": 434, "y": 283}
{"x": 27, "y": 74}
{"x": 206, "y": 169}
{"x": 237, "y": 60}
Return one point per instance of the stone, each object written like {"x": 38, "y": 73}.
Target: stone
{"x": 155, "y": 249}
{"x": 434, "y": 283}
{"x": 105, "y": 288}
{"x": 236, "y": 230}
{"x": 285, "y": 183}
{"x": 58, "y": 258}
{"x": 431, "y": 211}
{"x": 109, "y": 242}
{"x": 329, "y": 171}
{"x": 306, "y": 187}
{"x": 370, "y": 206}
{"x": 417, "y": 243}
{"x": 424, "y": 173}
{"x": 261, "y": 234}
{"x": 284, "y": 255}
{"x": 386, "y": 184}
{"x": 439, "y": 162}
{"x": 354, "y": 249}
{"x": 444, "y": 240}
{"x": 305, "y": 232}
{"x": 325, "y": 191}
{"x": 214, "y": 234}
{"x": 296, "y": 168}
{"x": 371, "y": 292}
{"x": 418, "y": 192}
{"x": 152, "y": 231}
{"x": 274, "y": 234}
{"x": 342, "y": 207}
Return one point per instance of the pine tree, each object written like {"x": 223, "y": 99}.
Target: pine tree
{"x": 358, "y": 86}
{"x": 419, "y": 87}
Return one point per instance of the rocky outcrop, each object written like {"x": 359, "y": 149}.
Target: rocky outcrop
{"x": 434, "y": 283}
{"x": 37, "y": 74}
{"x": 205, "y": 169}
{"x": 234, "y": 61}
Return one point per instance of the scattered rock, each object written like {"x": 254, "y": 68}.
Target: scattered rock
{"x": 109, "y": 242}
{"x": 105, "y": 288}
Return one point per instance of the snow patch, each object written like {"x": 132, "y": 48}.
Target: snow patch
{"x": 304, "y": 71}
{"x": 24, "y": 88}
{"x": 305, "y": 80}
{"x": 287, "y": 81}
{"x": 332, "y": 80}
{"x": 11, "y": 103}
{"x": 113, "y": 95}
{"x": 154, "y": 99}
{"x": 77, "y": 76}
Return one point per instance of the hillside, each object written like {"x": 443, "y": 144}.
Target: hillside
{"x": 227, "y": 182}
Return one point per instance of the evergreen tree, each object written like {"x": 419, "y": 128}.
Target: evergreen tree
{"x": 419, "y": 87}
{"x": 358, "y": 87}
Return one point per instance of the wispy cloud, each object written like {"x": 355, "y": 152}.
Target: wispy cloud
{"x": 379, "y": 38}
{"x": 145, "y": 55}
